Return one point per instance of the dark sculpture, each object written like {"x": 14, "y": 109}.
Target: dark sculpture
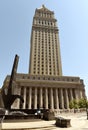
{"x": 9, "y": 98}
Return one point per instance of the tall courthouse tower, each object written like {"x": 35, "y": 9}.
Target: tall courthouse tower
{"x": 44, "y": 87}
{"x": 45, "y": 56}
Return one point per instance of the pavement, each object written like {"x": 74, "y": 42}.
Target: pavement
{"x": 78, "y": 122}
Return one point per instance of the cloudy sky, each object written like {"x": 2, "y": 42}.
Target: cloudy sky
{"x": 15, "y": 29}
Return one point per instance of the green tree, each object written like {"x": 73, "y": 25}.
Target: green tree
{"x": 82, "y": 103}
{"x": 74, "y": 104}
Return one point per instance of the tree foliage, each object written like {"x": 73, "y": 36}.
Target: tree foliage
{"x": 73, "y": 104}
{"x": 81, "y": 103}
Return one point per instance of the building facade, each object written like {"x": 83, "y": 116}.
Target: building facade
{"x": 44, "y": 87}
{"x": 45, "y": 56}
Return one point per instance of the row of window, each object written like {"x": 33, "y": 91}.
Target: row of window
{"x": 52, "y": 78}
{"x": 48, "y": 40}
{"x": 46, "y": 15}
{"x": 45, "y": 44}
{"x": 44, "y": 49}
{"x": 45, "y": 61}
{"x": 50, "y": 66}
{"x": 44, "y": 55}
{"x": 42, "y": 59}
{"x": 45, "y": 30}
{"x": 45, "y": 34}
{"x": 46, "y": 23}
{"x": 44, "y": 70}
{"x": 44, "y": 73}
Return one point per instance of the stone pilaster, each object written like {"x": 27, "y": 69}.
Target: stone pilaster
{"x": 46, "y": 98}
{"x": 56, "y": 98}
{"x": 61, "y": 99}
{"x": 18, "y": 101}
{"x": 71, "y": 95}
{"x": 66, "y": 99}
{"x": 80, "y": 91}
{"x": 76, "y": 94}
{"x": 51, "y": 99}
{"x": 41, "y": 98}
{"x": 35, "y": 99}
{"x": 24, "y": 96}
{"x": 30, "y": 97}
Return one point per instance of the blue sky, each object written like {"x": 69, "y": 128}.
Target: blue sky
{"x": 15, "y": 29}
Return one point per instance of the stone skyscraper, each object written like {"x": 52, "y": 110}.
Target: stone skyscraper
{"x": 44, "y": 87}
{"x": 45, "y": 47}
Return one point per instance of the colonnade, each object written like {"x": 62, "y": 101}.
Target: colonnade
{"x": 48, "y": 98}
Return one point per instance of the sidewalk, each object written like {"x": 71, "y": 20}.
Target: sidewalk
{"x": 78, "y": 122}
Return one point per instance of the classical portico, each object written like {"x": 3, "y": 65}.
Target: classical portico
{"x": 47, "y": 93}
{"x": 47, "y": 99}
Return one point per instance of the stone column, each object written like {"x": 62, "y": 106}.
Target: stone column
{"x": 51, "y": 98}
{"x": 18, "y": 100}
{"x": 35, "y": 98}
{"x": 71, "y": 95}
{"x": 46, "y": 98}
{"x": 83, "y": 93}
{"x": 56, "y": 98}
{"x": 76, "y": 94}
{"x": 24, "y": 96}
{"x": 80, "y": 91}
{"x": 41, "y": 99}
{"x": 61, "y": 99}
{"x": 66, "y": 99}
{"x": 30, "y": 98}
